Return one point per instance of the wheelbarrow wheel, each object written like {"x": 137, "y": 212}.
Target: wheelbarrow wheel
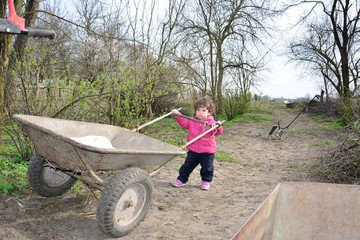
{"x": 47, "y": 181}
{"x": 124, "y": 202}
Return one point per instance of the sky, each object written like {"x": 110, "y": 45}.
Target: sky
{"x": 283, "y": 79}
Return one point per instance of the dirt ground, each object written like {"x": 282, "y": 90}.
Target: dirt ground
{"x": 238, "y": 188}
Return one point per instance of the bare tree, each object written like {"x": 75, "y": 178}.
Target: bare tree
{"x": 331, "y": 45}
{"x": 219, "y": 26}
{"x": 246, "y": 68}
{"x": 88, "y": 16}
{"x": 152, "y": 39}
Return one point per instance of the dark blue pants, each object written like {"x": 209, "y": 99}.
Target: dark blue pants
{"x": 206, "y": 160}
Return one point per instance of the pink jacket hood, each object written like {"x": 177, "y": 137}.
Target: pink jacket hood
{"x": 207, "y": 143}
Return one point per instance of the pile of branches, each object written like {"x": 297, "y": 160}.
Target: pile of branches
{"x": 343, "y": 166}
{"x": 329, "y": 108}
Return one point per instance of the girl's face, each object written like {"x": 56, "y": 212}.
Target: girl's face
{"x": 202, "y": 113}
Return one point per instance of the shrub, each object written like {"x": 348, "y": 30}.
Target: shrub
{"x": 235, "y": 103}
{"x": 349, "y": 110}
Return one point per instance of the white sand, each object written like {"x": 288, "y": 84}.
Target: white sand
{"x": 94, "y": 141}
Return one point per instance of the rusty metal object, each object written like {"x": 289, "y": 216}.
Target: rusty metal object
{"x": 314, "y": 211}
{"x": 52, "y": 140}
{"x": 56, "y": 140}
{"x": 88, "y": 181}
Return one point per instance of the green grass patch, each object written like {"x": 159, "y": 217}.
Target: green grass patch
{"x": 292, "y": 109}
{"x": 78, "y": 186}
{"x": 326, "y": 143}
{"x": 260, "y": 110}
{"x": 259, "y": 164}
{"x": 291, "y": 167}
{"x": 311, "y": 165}
{"x": 328, "y": 123}
{"x": 223, "y": 156}
{"x": 350, "y": 139}
{"x": 321, "y": 118}
{"x": 195, "y": 209}
{"x": 325, "y": 126}
{"x": 331, "y": 126}
{"x": 13, "y": 177}
{"x": 258, "y": 116}
{"x": 8, "y": 148}
{"x": 173, "y": 165}
{"x": 222, "y": 138}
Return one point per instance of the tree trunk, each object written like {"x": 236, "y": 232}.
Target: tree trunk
{"x": 5, "y": 46}
{"x": 20, "y": 43}
{"x": 220, "y": 81}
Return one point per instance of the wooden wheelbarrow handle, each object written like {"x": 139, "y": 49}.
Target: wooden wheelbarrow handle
{"x": 217, "y": 125}
{"x": 213, "y": 127}
{"x": 137, "y": 129}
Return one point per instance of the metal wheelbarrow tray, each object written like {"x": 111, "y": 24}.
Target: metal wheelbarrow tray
{"x": 59, "y": 161}
{"x": 299, "y": 211}
{"x": 52, "y": 140}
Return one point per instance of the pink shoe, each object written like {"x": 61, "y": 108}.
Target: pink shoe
{"x": 178, "y": 183}
{"x": 205, "y": 185}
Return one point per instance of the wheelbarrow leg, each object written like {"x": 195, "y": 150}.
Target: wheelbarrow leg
{"x": 92, "y": 173}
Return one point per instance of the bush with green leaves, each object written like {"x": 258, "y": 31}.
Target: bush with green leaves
{"x": 14, "y": 142}
{"x": 236, "y": 102}
{"x": 119, "y": 96}
{"x": 350, "y": 112}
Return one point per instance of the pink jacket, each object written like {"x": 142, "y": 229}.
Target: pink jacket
{"x": 207, "y": 143}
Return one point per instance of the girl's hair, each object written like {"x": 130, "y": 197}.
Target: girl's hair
{"x": 205, "y": 103}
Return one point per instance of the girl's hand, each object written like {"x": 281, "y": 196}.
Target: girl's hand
{"x": 217, "y": 123}
{"x": 175, "y": 111}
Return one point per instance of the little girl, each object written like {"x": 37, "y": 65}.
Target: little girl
{"x": 203, "y": 150}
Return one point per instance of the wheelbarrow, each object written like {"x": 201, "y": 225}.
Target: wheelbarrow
{"x": 61, "y": 158}
{"x": 302, "y": 210}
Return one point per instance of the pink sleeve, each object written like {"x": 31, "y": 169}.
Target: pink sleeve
{"x": 219, "y": 131}
{"x": 183, "y": 122}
